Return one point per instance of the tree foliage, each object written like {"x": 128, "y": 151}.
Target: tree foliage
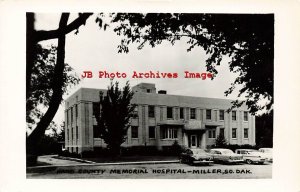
{"x": 41, "y": 83}
{"x": 58, "y": 79}
{"x": 248, "y": 39}
{"x": 220, "y": 142}
{"x": 113, "y": 119}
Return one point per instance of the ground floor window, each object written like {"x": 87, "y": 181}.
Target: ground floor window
{"x": 169, "y": 133}
{"x": 134, "y": 131}
{"x": 212, "y": 133}
{"x": 246, "y": 135}
{"x": 151, "y": 132}
{"x": 234, "y": 133}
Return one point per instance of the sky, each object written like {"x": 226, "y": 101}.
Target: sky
{"x": 94, "y": 49}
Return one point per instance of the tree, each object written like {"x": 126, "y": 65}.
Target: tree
{"x": 264, "y": 130}
{"x": 221, "y": 141}
{"x": 41, "y": 82}
{"x": 113, "y": 119}
{"x": 32, "y": 38}
{"x": 248, "y": 39}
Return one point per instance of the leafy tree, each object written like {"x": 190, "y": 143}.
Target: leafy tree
{"x": 264, "y": 130}
{"x": 221, "y": 141}
{"x": 58, "y": 79}
{"x": 248, "y": 39}
{"x": 113, "y": 119}
{"x": 41, "y": 83}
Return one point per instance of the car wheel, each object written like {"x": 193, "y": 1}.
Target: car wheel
{"x": 248, "y": 161}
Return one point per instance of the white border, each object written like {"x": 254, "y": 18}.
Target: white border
{"x": 286, "y": 166}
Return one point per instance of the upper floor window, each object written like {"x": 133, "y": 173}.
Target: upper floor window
{"x": 95, "y": 107}
{"x": 221, "y": 115}
{"x": 193, "y": 113}
{"x": 76, "y": 110}
{"x": 181, "y": 113}
{"x": 151, "y": 111}
{"x": 208, "y": 113}
{"x": 234, "y": 115}
{"x": 71, "y": 115}
{"x": 135, "y": 112}
{"x": 245, "y": 115}
{"x": 169, "y": 112}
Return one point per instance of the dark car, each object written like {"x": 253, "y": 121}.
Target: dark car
{"x": 195, "y": 156}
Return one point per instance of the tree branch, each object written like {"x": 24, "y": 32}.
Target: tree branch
{"x": 52, "y": 34}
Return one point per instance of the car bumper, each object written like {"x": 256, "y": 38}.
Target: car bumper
{"x": 202, "y": 161}
{"x": 235, "y": 161}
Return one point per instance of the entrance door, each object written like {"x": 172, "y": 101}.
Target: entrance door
{"x": 194, "y": 143}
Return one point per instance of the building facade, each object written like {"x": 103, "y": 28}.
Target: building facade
{"x": 160, "y": 120}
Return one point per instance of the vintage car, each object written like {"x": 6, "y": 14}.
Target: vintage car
{"x": 251, "y": 156}
{"x": 225, "y": 156}
{"x": 195, "y": 156}
{"x": 267, "y": 153}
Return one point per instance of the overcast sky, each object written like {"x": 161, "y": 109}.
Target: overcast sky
{"x": 95, "y": 50}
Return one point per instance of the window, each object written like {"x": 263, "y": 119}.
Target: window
{"x": 148, "y": 90}
{"x": 193, "y": 113}
{"x": 245, "y": 116}
{"x": 134, "y": 131}
{"x": 76, "y": 134}
{"x": 234, "y": 133}
{"x": 212, "y": 133}
{"x": 246, "y": 133}
{"x": 71, "y": 115}
{"x": 96, "y": 131}
{"x": 181, "y": 113}
{"x": 135, "y": 113}
{"x": 67, "y": 139}
{"x": 151, "y": 132}
{"x": 221, "y": 115}
{"x": 150, "y": 111}
{"x": 222, "y": 132}
{"x": 95, "y": 108}
{"x": 169, "y": 133}
{"x": 169, "y": 112}
{"x": 208, "y": 114}
{"x": 67, "y": 117}
{"x": 234, "y": 115}
{"x": 76, "y": 111}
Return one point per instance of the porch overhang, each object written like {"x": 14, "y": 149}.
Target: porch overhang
{"x": 194, "y": 125}
{"x": 171, "y": 122}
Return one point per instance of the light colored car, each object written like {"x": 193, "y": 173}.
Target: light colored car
{"x": 251, "y": 156}
{"x": 195, "y": 156}
{"x": 267, "y": 153}
{"x": 225, "y": 156}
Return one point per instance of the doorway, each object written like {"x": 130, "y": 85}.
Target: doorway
{"x": 194, "y": 142}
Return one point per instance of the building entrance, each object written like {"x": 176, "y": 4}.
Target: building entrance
{"x": 194, "y": 141}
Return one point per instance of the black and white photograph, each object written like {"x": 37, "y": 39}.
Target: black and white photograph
{"x": 149, "y": 95}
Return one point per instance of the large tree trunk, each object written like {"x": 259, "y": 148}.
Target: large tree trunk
{"x": 57, "y": 82}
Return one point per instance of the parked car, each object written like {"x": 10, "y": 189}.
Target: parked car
{"x": 195, "y": 156}
{"x": 225, "y": 156}
{"x": 251, "y": 156}
{"x": 267, "y": 153}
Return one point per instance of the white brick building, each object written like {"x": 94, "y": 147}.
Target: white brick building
{"x": 160, "y": 120}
